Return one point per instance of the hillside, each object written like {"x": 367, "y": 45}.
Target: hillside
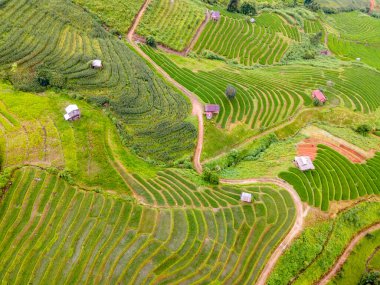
{"x": 189, "y": 142}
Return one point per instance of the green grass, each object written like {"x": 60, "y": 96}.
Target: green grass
{"x": 64, "y": 234}
{"x": 355, "y": 35}
{"x": 115, "y": 13}
{"x": 150, "y": 113}
{"x": 335, "y": 178}
{"x": 313, "y": 253}
{"x": 267, "y": 97}
{"x": 264, "y": 42}
{"x": 172, "y": 23}
{"x": 355, "y": 265}
{"x": 36, "y": 133}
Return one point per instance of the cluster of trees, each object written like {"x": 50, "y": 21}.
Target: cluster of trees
{"x": 246, "y": 8}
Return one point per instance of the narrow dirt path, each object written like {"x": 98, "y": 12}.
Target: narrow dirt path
{"x": 294, "y": 232}
{"x": 342, "y": 259}
{"x": 198, "y": 33}
{"x": 197, "y": 105}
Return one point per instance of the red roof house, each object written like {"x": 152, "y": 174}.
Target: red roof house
{"x": 211, "y": 109}
{"x": 317, "y": 94}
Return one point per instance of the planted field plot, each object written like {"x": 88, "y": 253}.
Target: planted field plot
{"x": 264, "y": 42}
{"x": 52, "y": 232}
{"x": 335, "y": 178}
{"x": 357, "y": 36}
{"x": 118, "y": 14}
{"x": 172, "y": 23}
{"x": 343, "y": 5}
{"x": 267, "y": 97}
{"x": 151, "y": 115}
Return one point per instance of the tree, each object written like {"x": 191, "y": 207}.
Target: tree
{"x": 151, "y": 41}
{"x": 370, "y": 278}
{"x": 316, "y": 39}
{"x": 363, "y": 129}
{"x": 230, "y": 92}
{"x": 210, "y": 176}
{"x": 233, "y": 6}
{"x": 248, "y": 9}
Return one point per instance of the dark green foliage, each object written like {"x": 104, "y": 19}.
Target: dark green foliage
{"x": 317, "y": 103}
{"x": 248, "y": 8}
{"x": 316, "y": 39}
{"x": 233, "y": 6}
{"x": 363, "y": 129}
{"x": 210, "y": 176}
{"x": 5, "y": 176}
{"x": 150, "y": 40}
{"x": 370, "y": 278}
{"x": 230, "y": 92}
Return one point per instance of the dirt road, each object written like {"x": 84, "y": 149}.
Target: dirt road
{"x": 196, "y": 104}
{"x": 294, "y": 232}
{"x": 342, "y": 259}
{"x": 371, "y": 6}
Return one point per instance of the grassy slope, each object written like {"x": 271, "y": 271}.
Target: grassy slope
{"x": 40, "y": 136}
{"x": 355, "y": 265}
{"x": 316, "y": 250}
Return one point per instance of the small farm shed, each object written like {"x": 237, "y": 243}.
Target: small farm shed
{"x": 215, "y": 15}
{"x": 96, "y": 63}
{"x": 211, "y": 109}
{"x": 72, "y": 113}
{"x": 317, "y": 94}
{"x": 304, "y": 163}
{"x": 246, "y": 197}
{"x": 252, "y": 20}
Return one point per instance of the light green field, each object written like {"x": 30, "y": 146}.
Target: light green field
{"x": 147, "y": 110}
{"x": 80, "y": 236}
{"x": 335, "y": 178}
{"x": 172, "y": 23}
{"x": 355, "y": 35}
{"x": 264, "y": 42}
{"x": 118, "y": 14}
{"x": 267, "y": 97}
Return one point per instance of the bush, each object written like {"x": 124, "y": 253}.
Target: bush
{"x": 230, "y": 92}
{"x": 248, "y": 9}
{"x": 233, "y": 6}
{"x": 5, "y": 177}
{"x": 363, "y": 129}
{"x": 210, "y": 176}
{"x": 151, "y": 41}
{"x": 66, "y": 175}
{"x": 370, "y": 278}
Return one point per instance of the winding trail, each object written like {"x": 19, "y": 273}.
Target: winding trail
{"x": 197, "y": 105}
{"x": 293, "y": 233}
{"x": 342, "y": 259}
{"x": 371, "y": 6}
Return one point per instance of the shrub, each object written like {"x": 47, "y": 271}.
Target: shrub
{"x": 66, "y": 175}
{"x": 248, "y": 8}
{"x": 5, "y": 176}
{"x": 233, "y": 6}
{"x": 151, "y": 41}
{"x": 230, "y": 92}
{"x": 363, "y": 129}
{"x": 370, "y": 278}
{"x": 210, "y": 176}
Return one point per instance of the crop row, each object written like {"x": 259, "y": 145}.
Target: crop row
{"x": 266, "y": 97}
{"x": 140, "y": 98}
{"x": 52, "y": 232}
{"x": 264, "y": 42}
{"x": 334, "y": 179}
{"x": 172, "y": 23}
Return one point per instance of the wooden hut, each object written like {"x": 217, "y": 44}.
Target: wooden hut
{"x": 318, "y": 95}
{"x": 96, "y": 64}
{"x": 246, "y": 197}
{"x": 211, "y": 109}
{"x": 215, "y": 15}
{"x": 304, "y": 163}
{"x": 72, "y": 113}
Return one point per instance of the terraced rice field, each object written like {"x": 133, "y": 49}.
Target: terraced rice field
{"x": 357, "y": 36}
{"x": 264, "y": 42}
{"x": 54, "y": 35}
{"x": 172, "y": 23}
{"x": 335, "y": 178}
{"x": 343, "y": 5}
{"x": 53, "y": 232}
{"x": 267, "y": 97}
{"x": 118, "y": 14}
